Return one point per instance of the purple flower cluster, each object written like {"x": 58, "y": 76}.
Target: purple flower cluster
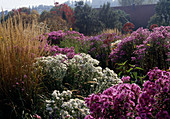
{"x": 56, "y": 37}
{"x": 129, "y": 101}
{"x": 55, "y": 50}
{"x": 116, "y": 102}
{"x": 145, "y": 48}
{"x": 125, "y": 79}
{"x": 100, "y": 47}
{"x": 126, "y": 47}
{"x": 154, "y": 101}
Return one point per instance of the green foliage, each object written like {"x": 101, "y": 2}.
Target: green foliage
{"x": 112, "y": 18}
{"x": 87, "y": 21}
{"x": 90, "y": 21}
{"x": 135, "y": 72}
{"x": 162, "y": 16}
{"x": 80, "y": 46}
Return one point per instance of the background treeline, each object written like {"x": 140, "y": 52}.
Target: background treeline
{"x": 86, "y": 20}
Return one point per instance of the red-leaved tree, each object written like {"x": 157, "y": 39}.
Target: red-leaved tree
{"x": 65, "y": 12}
{"x": 128, "y": 27}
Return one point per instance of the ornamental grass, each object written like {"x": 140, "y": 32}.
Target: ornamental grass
{"x": 19, "y": 83}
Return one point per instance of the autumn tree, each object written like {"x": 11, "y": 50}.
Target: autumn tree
{"x": 65, "y": 12}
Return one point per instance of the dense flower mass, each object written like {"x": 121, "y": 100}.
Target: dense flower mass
{"x": 154, "y": 101}
{"x": 50, "y": 71}
{"x": 118, "y": 101}
{"x": 56, "y": 37}
{"x": 81, "y": 72}
{"x": 145, "y": 48}
{"x": 100, "y": 47}
{"x": 129, "y": 101}
{"x": 63, "y": 106}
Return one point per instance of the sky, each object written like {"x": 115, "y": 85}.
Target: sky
{"x": 11, "y": 4}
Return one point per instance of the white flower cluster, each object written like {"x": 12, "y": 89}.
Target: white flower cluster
{"x": 108, "y": 79}
{"x": 61, "y": 96}
{"x": 66, "y": 107}
{"x": 87, "y": 65}
{"x": 82, "y": 67}
{"x": 58, "y": 100}
{"x": 83, "y": 61}
{"x": 76, "y": 108}
{"x": 54, "y": 66}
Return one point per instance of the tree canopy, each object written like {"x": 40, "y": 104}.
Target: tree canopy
{"x": 162, "y": 15}
{"x": 90, "y": 21}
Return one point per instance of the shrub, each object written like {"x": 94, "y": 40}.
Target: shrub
{"x": 53, "y": 21}
{"x": 144, "y": 48}
{"x": 128, "y": 27}
{"x": 100, "y": 47}
{"x": 154, "y": 50}
{"x": 79, "y": 73}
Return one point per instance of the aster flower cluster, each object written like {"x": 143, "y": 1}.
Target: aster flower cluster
{"x": 90, "y": 77}
{"x": 129, "y": 101}
{"x": 55, "y": 50}
{"x": 154, "y": 49}
{"x": 100, "y": 47}
{"x": 80, "y": 72}
{"x": 126, "y": 47}
{"x": 154, "y": 101}
{"x": 54, "y": 67}
{"x": 63, "y": 106}
{"x": 115, "y": 102}
{"x": 56, "y": 37}
{"x": 145, "y": 48}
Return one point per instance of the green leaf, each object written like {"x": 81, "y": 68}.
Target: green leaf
{"x": 121, "y": 64}
{"x": 131, "y": 76}
{"x": 119, "y": 67}
{"x": 131, "y": 65}
{"x": 139, "y": 68}
{"x": 129, "y": 70}
{"x": 120, "y": 73}
{"x": 141, "y": 80}
{"x": 135, "y": 74}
